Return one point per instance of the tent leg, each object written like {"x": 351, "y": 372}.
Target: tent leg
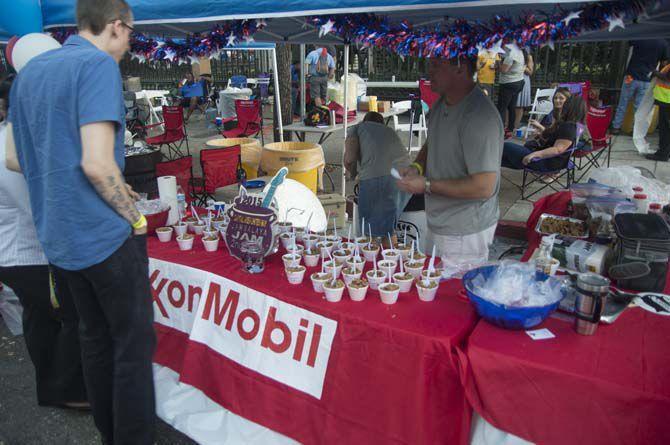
{"x": 346, "y": 114}
{"x": 303, "y": 87}
{"x": 277, "y": 95}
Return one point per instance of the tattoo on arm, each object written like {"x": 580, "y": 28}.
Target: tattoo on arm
{"x": 113, "y": 190}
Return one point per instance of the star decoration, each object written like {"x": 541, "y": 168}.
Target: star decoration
{"x": 248, "y": 39}
{"x": 170, "y": 55}
{"x": 194, "y": 60}
{"x": 572, "y": 16}
{"x": 231, "y": 39}
{"x": 214, "y": 55}
{"x": 261, "y": 23}
{"x": 615, "y": 22}
{"x": 181, "y": 62}
{"x": 326, "y": 28}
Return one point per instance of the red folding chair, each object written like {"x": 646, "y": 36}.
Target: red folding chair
{"x": 589, "y": 155}
{"x": 182, "y": 169}
{"x": 249, "y": 120}
{"x": 219, "y": 169}
{"x": 175, "y": 133}
{"x": 427, "y": 95}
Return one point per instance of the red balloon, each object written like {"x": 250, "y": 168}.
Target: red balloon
{"x": 10, "y": 48}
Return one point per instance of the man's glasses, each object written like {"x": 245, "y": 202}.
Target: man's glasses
{"x": 124, "y": 24}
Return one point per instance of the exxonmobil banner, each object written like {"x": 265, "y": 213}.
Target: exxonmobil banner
{"x": 279, "y": 340}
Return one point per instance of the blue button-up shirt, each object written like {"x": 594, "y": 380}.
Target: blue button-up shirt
{"x": 53, "y": 96}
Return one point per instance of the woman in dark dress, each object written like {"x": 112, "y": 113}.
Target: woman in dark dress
{"x": 549, "y": 152}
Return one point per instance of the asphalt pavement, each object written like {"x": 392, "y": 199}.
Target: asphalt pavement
{"x": 23, "y": 422}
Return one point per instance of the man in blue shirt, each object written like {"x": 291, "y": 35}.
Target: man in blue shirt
{"x": 66, "y": 136}
{"x": 645, "y": 57}
{"x": 321, "y": 67}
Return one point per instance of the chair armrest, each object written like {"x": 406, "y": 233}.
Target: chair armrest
{"x": 152, "y": 125}
{"x": 228, "y": 119}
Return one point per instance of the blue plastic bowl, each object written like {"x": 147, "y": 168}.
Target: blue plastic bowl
{"x": 507, "y": 317}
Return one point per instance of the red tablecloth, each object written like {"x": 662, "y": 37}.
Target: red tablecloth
{"x": 610, "y": 388}
{"x": 392, "y": 375}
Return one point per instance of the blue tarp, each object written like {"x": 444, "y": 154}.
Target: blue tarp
{"x": 175, "y": 18}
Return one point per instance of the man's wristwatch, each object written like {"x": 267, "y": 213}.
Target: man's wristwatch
{"x": 426, "y": 190}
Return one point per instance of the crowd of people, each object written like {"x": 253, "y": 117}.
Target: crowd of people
{"x": 73, "y": 247}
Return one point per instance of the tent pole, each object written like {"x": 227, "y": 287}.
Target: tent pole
{"x": 277, "y": 95}
{"x": 303, "y": 90}
{"x": 346, "y": 114}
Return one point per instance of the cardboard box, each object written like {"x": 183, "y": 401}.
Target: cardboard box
{"x": 335, "y": 206}
{"x": 383, "y": 106}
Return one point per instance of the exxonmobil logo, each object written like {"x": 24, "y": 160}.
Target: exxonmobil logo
{"x": 247, "y": 323}
{"x": 277, "y": 339}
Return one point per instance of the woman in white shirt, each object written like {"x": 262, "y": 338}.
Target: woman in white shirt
{"x": 50, "y": 322}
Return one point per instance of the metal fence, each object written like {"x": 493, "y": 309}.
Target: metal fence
{"x": 164, "y": 75}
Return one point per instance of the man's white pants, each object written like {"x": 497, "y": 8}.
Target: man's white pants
{"x": 462, "y": 253}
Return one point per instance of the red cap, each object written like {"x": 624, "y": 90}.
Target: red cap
{"x": 655, "y": 206}
{"x": 639, "y": 196}
{"x": 638, "y": 189}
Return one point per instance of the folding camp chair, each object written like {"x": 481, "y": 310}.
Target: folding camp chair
{"x": 182, "y": 169}
{"x": 427, "y": 94}
{"x": 578, "y": 88}
{"x": 219, "y": 169}
{"x": 589, "y": 155}
{"x": 418, "y": 126}
{"x": 237, "y": 81}
{"x": 560, "y": 179}
{"x": 175, "y": 133}
{"x": 132, "y": 111}
{"x": 542, "y": 105}
{"x": 249, "y": 120}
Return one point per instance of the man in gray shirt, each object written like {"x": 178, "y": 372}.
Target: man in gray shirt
{"x": 458, "y": 168}
{"x": 372, "y": 149}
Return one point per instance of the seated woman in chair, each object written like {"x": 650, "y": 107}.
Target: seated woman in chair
{"x": 549, "y": 151}
{"x": 560, "y": 96}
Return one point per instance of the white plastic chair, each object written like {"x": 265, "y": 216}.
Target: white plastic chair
{"x": 419, "y": 126}
{"x": 542, "y": 105}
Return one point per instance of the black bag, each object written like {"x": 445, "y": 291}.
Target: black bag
{"x": 317, "y": 116}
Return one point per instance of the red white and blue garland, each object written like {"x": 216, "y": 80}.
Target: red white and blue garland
{"x": 451, "y": 38}
{"x": 188, "y": 50}
{"x": 462, "y": 38}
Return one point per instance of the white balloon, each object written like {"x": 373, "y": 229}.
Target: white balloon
{"x": 31, "y": 45}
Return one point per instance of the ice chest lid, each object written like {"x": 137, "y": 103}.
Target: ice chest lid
{"x": 641, "y": 227}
